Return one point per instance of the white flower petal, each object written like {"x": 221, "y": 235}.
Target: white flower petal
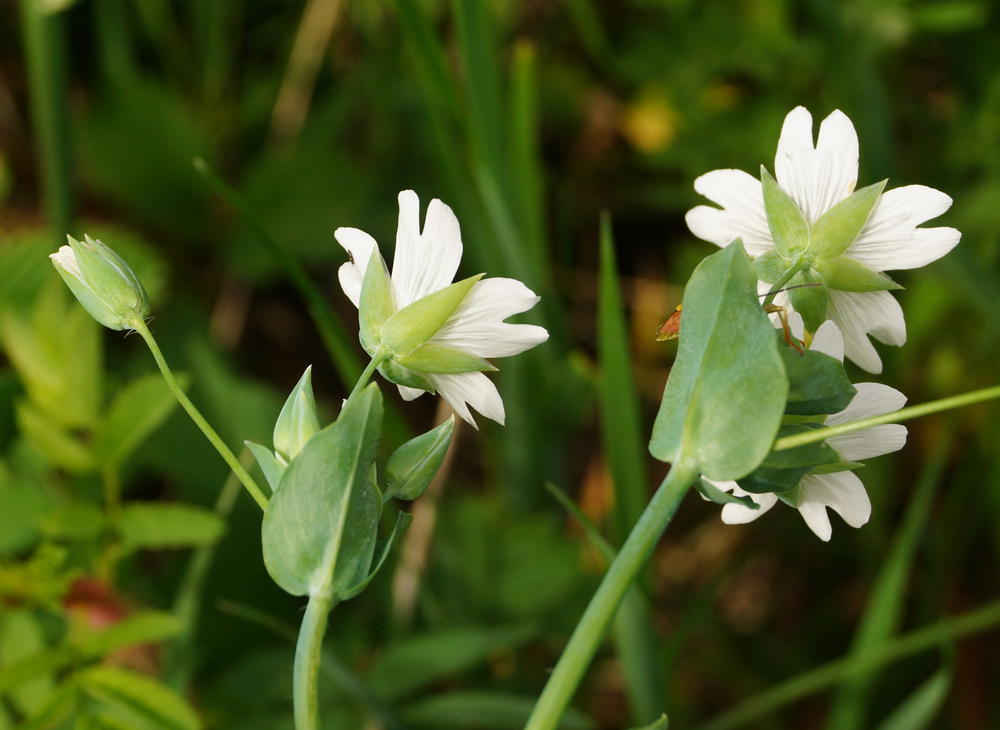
{"x": 742, "y": 216}
{"x": 359, "y": 246}
{"x": 843, "y": 492}
{"x": 409, "y": 393}
{"x": 828, "y": 340}
{"x": 891, "y": 240}
{"x": 406, "y": 264}
{"x": 427, "y": 262}
{"x": 477, "y": 326}
{"x": 872, "y": 399}
{"x": 737, "y": 514}
{"x": 817, "y": 178}
{"x": 858, "y": 314}
{"x": 474, "y": 389}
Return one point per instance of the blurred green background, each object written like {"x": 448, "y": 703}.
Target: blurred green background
{"x": 529, "y": 119}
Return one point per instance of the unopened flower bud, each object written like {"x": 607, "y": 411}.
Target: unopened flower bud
{"x": 297, "y": 422}
{"x": 103, "y": 283}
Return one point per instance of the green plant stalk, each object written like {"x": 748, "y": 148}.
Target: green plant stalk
{"x": 596, "y": 620}
{"x": 308, "y": 657}
{"x": 378, "y": 358}
{"x": 904, "y": 414}
{"x": 822, "y": 677}
{"x": 45, "y": 54}
{"x": 139, "y": 326}
{"x": 785, "y": 278}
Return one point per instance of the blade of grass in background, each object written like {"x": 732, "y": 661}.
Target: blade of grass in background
{"x": 885, "y": 604}
{"x": 921, "y": 707}
{"x": 624, "y": 449}
{"x": 45, "y": 50}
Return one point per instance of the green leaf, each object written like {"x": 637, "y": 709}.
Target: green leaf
{"x": 771, "y": 266}
{"x": 137, "y": 693}
{"x": 919, "y": 709}
{"x": 52, "y": 440}
{"x": 376, "y": 304}
{"x": 403, "y": 520}
{"x": 319, "y": 529}
{"x": 662, "y": 724}
{"x": 810, "y": 298}
{"x": 782, "y": 471}
{"x": 837, "y": 229}
{"x": 414, "y": 324}
{"x": 835, "y": 467}
{"x": 54, "y": 712}
{"x": 413, "y": 465}
{"x": 415, "y": 663}
{"x": 817, "y": 383}
{"x": 788, "y": 226}
{"x": 137, "y": 411}
{"x": 73, "y": 521}
{"x": 272, "y": 469}
{"x": 395, "y": 373}
{"x": 21, "y": 637}
{"x": 716, "y": 495}
{"x": 484, "y": 710}
{"x": 845, "y": 274}
{"x": 158, "y": 526}
{"x": 297, "y": 421}
{"x": 723, "y": 402}
{"x": 433, "y": 358}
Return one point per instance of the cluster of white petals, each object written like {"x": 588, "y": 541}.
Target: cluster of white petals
{"x": 426, "y": 262}
{"x": 842, "y": 491}
{"x": 817, "y": 177}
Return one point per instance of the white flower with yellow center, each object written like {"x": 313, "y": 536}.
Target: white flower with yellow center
{"x": 425, "y": 263}
{"x": 842, "y": 244}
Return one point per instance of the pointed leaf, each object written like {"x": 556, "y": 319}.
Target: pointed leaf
{"x": 723, "y": 402}
{"x": 413, "y": 465}
{"x": 402, "y": 522}
{"x": 297, "y": 421}
{"x": 376, "y": 305}
{"x": 919, "y": 709}
{"x": 159, "y": 525}
{"x": 836, "y": 230}
{"x": 789, "y": 228}
{"x": 433, "y": 358}
{"x": 817, "y": 383}
{"x": 416, "y": 323}
{"x": 845, "y": 274}
{"x": 809, "y": 301}
{"x": 272, "y": 469}
{"x": 137, "y": 693}
{"x": 319, "y": 529}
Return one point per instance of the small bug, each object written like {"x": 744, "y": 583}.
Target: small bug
{"x": 350, "y": 256}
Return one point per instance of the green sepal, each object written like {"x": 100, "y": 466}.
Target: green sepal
{"x": 104, "y": 284}
{"x": 413, "y": 465}
{"x": 716, "y": 495}
{"x": 433, "y": 358}
{"x": 835, "y": 467}
{"x": 837, "y": 229}
{"x": 297, "y": 421}
{"x": 269, "y": 465}
{"x": 376, "y": 305}
{"x": 846, "y": 274}
{"x": 789, "y": 228}
{"x": 817, "y": 383}
{"x": 809, "y": 301}
{"x": 382, "y": 549}
{"x": 416, "y": 323}
{"x": 771, "y": 266}
{"x": 399, "y": 375}
{"x": 783, "y": 470}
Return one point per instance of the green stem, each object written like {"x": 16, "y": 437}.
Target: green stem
{"x": 378, "y": 358}
{"x": 139, "y": 326}
{"x": 785, "y": 278}
{"x": 308, "y": 658}
{"x": 827, "y": 675}
{"x": 45, "y": 52}
{"x": 905, "y": 414}
{"x": 596, "y": 620}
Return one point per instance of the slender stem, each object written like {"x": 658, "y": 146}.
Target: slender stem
{"x": 308, "y": 657}
{"x": 596, "y": 620}
{"x": 785, "y": 278}
{"x": 905, "y": 414}
{"x": 941, "y": 633}
{"x": 378, "y": 358}
{"x": 139, "y": 326}
{"x": 45, "y": 51}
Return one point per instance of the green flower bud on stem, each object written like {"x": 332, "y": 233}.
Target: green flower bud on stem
{"x": 297, "y": 422}
{"x": 103, "y": 283}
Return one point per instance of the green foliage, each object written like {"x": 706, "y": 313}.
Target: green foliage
{"x": 156, "y": 526}
{"x": 414, "y": 324}
{"x": 722, "y": 405}
{"x": 412, "y": 466}
{"x": 817, "y": 383}
{"x": 488, "y": 710}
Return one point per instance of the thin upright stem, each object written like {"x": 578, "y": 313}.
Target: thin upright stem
{"x": 139, "y": 326}
{"x": 596, "y": 620}
{"x": 308, "y": 657}
{"x": 378, "y": 358}
{"x": 785, "y": 278}
{"x": 904, "y": 414}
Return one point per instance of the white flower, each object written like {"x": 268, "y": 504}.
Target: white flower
{"x": 817, "y": 178}
{"x": 426, "y": 262}
{"x": 841, "y": 491}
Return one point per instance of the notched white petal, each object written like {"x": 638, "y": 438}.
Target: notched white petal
{"x": 359, "y": 246}
{"x": 470, "y": 389}
{"x": 842, "y": 492}
{"x": 859, "y": 314}
{"x": 828, "y": 340}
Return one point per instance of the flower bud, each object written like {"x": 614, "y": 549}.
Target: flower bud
{"x": 297, "y": 421}
{"x": 102, "y": 282}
